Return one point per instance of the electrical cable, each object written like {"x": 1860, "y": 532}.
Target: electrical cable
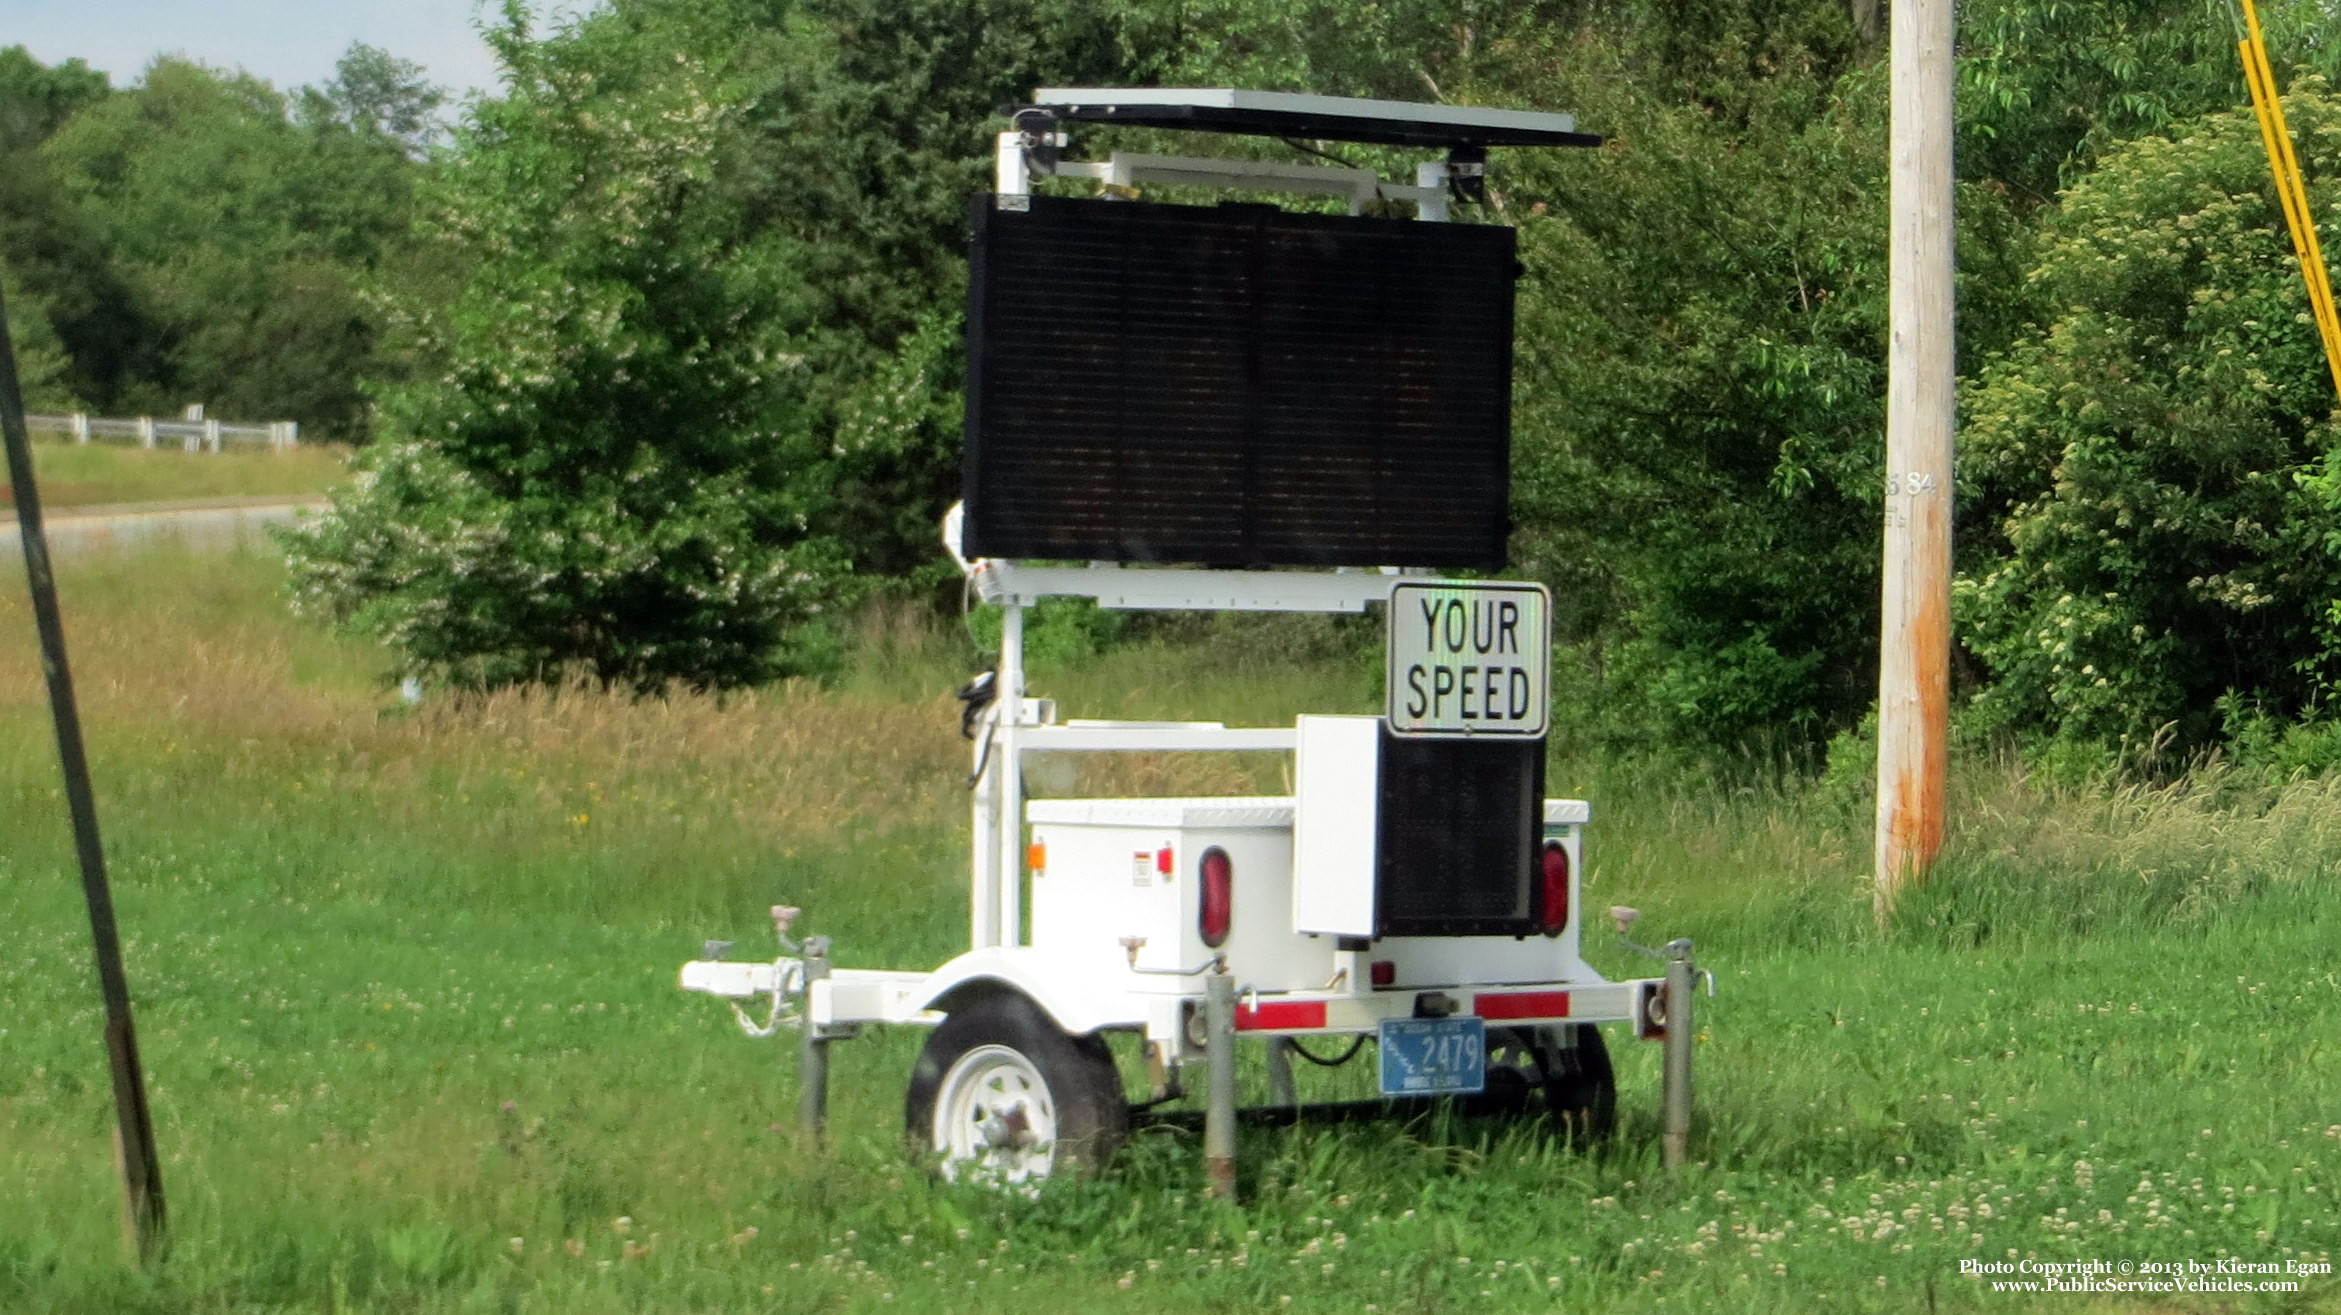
{"x": 1307, "y": 149}
{"x": 1356, "y": 1043}
{"x": 983, "y": 757}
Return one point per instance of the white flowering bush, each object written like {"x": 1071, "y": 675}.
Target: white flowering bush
{"x": 611, "y": 471}
{"x": 692, "y": 378}
{"x": 2161, "y": 461}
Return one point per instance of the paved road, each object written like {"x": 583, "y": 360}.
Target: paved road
{"x": 206, "y": 523}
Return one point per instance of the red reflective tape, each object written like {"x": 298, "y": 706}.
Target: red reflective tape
{"x": 1522, "y": 1004}
{"x": 1289, "y": 1014}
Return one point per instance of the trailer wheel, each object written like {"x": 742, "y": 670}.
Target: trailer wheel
{"x": 1566, "y": 1064}
{"x": 1580, "y": 1088}
{"x": 1517, "y": 1061}
{"x": 1002, "y": 1094}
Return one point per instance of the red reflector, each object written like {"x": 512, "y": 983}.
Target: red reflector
{"x": 1216, "y": 909}
{"x": 1522, "y": 1004}
{"x": 1383, "y": 972}
{"x": 1162, "y": 860}
{"x": 1553, "y": 909}
{"x": 1288, "y": 1014}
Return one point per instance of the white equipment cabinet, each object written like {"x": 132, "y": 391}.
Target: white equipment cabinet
{"x": 1135, "y": 867}
{"x": 1178, "y": 925}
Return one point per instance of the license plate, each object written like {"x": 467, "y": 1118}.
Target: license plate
{"x": 1433, "y": 1056}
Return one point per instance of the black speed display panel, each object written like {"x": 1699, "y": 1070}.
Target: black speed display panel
{"x": 1237, "y": 386}
{"x": 1461, "y": 824}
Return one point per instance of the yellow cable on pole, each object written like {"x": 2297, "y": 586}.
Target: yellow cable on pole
{"x": 2291, "y": 200}
{"x": 2313, "y": 270}
{"x": 2291, "y": 189}
{"x": 2276, "y": 135}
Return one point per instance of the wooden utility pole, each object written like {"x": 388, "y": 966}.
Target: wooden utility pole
{"x": 142, "y": 1180}
{"x": 1914, "y": 653}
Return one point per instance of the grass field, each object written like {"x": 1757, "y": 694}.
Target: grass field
{"x": 96, "y": 474}
{"x": 406, "y": 991}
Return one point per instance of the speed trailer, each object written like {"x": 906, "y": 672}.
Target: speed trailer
{"x": 1246, "y": 408}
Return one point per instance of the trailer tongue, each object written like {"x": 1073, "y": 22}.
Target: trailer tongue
{"x": 1244, "y": 408}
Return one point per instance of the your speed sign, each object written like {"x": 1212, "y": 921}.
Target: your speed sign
{"x": 1470, "y": 658}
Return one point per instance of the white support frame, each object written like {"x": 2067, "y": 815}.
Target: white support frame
{"x": 1013, "y": 169}
{"x": 1360, "y": 187}
{"x": 1014, "y": 584}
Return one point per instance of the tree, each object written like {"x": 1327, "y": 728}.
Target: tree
{"x": 239, "y": 245}
{"x": 55, "y": 271}
{"x": 704, "y": 361}
{"x": 2048, "y": 86}
{"x": 1698, "y": 405}
{"x": 373, "y": 93}
{"x": 870, "y": 142}
{"x": 608, "y": 474}
{"x": 40, "y": 357}
{"x": 37, "y": 99}
{"x": 2164, "y": 456}
{"x": 1699, "y": 364}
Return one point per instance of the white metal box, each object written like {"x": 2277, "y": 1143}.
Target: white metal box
{"x": 1337, "y": 763}
{"x": 1113, "y": 868}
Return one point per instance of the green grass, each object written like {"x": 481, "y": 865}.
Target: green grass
{"x": 95, "y": 474}
{"x": 406, "y": 992}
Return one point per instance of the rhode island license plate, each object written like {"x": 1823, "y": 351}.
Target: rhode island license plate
{"x": 1433, "y": 1056}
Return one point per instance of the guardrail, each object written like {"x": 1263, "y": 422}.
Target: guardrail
{"x": 186, "y": 435}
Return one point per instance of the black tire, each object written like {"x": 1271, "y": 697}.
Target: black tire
{"x": 1580, "y": 1088}
{"x": 1000, "y": 1043}
{"x": 1516, "y": 1064}
{"x": 1564, "y": 1069}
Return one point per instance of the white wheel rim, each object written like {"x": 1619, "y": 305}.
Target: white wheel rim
{"x": 994, "y": 1118}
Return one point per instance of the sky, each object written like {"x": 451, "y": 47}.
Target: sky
{"x": 288, "y": 42}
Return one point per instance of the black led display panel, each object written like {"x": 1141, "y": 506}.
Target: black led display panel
{"x": 1456, "y": 844}
{"x": 1237, "y": 386}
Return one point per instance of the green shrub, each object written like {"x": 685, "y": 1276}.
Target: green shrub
{"x": 697, "y": 385}
{"x": 611, "y": 471}
{"x": 2162, "y": 454}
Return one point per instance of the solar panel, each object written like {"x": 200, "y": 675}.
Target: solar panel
{"x": 1334, "y": 118}
{"x": 1236, "y": 385}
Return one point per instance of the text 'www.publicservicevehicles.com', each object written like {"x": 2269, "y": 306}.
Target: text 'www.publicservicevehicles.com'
{"x": 2226, "y": 1274}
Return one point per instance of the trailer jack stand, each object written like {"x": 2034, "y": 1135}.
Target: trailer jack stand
{"x": 1219, "y": 1112}
{"x": 1681, "y": 977}
{"x": 813, "y": 1065}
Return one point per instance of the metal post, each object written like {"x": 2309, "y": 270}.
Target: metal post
{"x": 80, "y": 427}
{"x": 146, "y": 431}
{"x": 1432, "y": 173}
{"x": 813, "y": 1053}
{"x": 211, "y": 434}
{"x": 1008, "y": 888}
{"x": 1280, "y": 1091}
{"x": 1914, "y": 675}
{"x": 982, "y": 916}
{"x": 1219, "y": 1110}
{"x": 142, "y": 1182}
{"x": 1681, "y": 1032}
{"x": 1008, "y": 168}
